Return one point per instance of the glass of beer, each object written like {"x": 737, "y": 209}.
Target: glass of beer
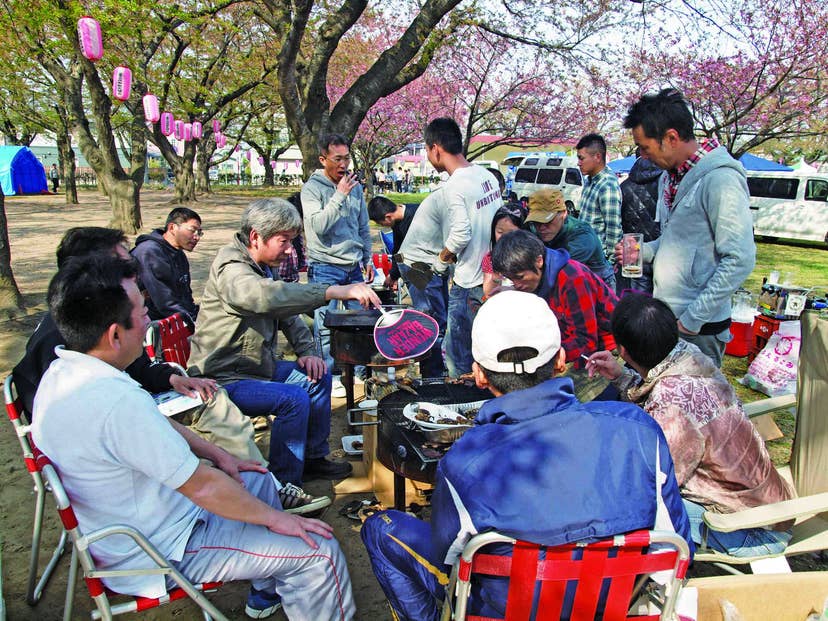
{"x": 632, "y": 261}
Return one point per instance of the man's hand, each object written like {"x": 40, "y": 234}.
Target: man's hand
{"x": 368, "y": 273}
{"x": 390, "y": 283}
{"x": 194, "y": 386}
{"x": 314, "y": 366}
{"x": 447, "y": 256}
{"x": 440, "y": 267}
{"x": 359, "y": 291}
{"x": 683, "y": 330}
{"x": 348, "y": 182}
{"x": 233, "y": 466}
{"x": 297, "y": 526}
{"x": 604, "y": 364}
{"x": 619, "y": 253}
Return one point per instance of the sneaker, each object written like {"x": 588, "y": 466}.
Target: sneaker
{"x": 321, "y": 468}
{"x": 337, "y": 388}
{"x": 295, "y": 500}
{"x": 261, "y": 604}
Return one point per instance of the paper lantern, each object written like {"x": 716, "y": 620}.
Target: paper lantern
{"x": 121, "y": 83}
{"x": 151, "y": 111}
{"x": 89, "y": 35}
{"x": 248, "y": 155}
{"x": 273, "y": 164}
{"x": 167, "y": 123}
{"x": 196, "y": 129}
{"x": 261, "y": 160}
{"x": 216, "y": 126}
{"x": 179, "y": 130}
{"x": 188, "y": 132}
{"x": 221, "y": 141}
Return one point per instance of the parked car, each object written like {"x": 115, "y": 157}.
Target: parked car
{"x": 791, "y": 204}
{"x": 535, "y": 171}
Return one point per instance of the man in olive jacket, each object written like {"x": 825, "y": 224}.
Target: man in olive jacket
{"x": 243, "y": 306}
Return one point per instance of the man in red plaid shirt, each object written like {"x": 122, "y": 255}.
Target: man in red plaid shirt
{"x": 581, "y": 301}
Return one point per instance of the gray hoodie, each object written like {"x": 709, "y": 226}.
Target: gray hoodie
{"x": 336, "y": 226}
{"x": 706, "y": 248}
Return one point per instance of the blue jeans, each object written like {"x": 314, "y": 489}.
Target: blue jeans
{"x": 432, "y": 301}
{"x": 745, "y": 542}
{"x": 302, "y": 411}
{"x": 328, "y": 274}
{"x": 463, "y": 305}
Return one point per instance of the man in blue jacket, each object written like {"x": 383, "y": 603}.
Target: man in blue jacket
{"x": 537, "y": 465}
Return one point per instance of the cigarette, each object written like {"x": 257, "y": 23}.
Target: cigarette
{"x": 585, "y": 357}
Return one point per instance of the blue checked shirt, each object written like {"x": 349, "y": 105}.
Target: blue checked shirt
{"x": 601, "y": 209}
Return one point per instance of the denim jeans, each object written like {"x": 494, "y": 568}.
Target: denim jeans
{"x": 328, "y": 274}
{"x": 463, "y": 305}
{"x": 432, "y": 301}
{"x": 745, "y": 542}
{"x": 302, "y": 411}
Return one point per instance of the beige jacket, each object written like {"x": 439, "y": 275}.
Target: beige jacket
{"x": 720, "y": 459}
{"x": 241, "y": 311}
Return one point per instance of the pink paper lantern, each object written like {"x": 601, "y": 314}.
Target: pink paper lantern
{"x": 167, "y": 123}
{"x": 89, "y": 35}
{"x": 298, "y": 163}
{"x": 221, "y": 141}
{"x": 151, "y": 111}
{"x": 216, "y": 126}
{"x": 261, "y": 160}
{"x": 196, "y": 129}
{"x": 273, "y": 164}
{"x": 179, "y": 130}
{"x": 188, "y": 132}
{"x": 248, "y": 155}
{"x": 121, "y": 83}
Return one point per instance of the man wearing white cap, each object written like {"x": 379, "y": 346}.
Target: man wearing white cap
{"x": 537, "y": 465}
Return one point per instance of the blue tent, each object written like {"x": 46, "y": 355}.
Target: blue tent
{"x": 21, "y": 172}
{"x": 623, "y": 165}
{"x": 751, "y": 162}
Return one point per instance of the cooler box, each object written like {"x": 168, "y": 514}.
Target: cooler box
{"x": 739, "y": 345}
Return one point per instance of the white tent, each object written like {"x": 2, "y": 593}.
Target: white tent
{"x": 804, "y": 167}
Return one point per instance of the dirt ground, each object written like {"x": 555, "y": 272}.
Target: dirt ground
{"x": 36, "y": 225}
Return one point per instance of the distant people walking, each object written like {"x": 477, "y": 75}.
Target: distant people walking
{"x": 54, "y": 176}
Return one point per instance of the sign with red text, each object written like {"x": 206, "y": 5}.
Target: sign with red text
{"x": 403, "y": 334}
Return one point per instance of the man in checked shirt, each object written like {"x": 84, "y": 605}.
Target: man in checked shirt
{"x": 600, "y": 203}
{"x": 706, "y": 248}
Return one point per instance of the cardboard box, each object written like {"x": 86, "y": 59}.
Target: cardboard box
{"x": 764, "y": 597}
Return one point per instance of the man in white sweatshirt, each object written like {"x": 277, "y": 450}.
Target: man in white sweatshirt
{"x": 472, "y": 196}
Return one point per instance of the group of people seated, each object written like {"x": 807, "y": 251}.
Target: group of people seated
{"x": 608, "y": 414}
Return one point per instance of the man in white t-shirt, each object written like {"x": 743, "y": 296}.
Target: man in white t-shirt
{"x": 123, "y": 462}
{"x": 473, "y": 196}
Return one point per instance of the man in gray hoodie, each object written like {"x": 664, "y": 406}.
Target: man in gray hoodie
{"x": 337, "y": 236}
{"x": 706, "y": 248}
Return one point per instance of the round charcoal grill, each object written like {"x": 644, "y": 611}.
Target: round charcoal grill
{"x": 401, "y": 446}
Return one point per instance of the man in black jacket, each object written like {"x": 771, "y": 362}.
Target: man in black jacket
{"x": 639, "y": 196}
{"x": 164, "y": 270}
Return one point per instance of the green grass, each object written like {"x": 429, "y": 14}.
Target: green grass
{"x": 808, "y": 265}
{"x": 255, "y": 191}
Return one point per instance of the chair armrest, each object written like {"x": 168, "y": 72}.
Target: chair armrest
{"x": 765, "y": 406}
{"x": 181, "y": 370}
{"x": 767, "y": 515}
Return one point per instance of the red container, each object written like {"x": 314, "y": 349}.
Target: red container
{"x": 742, "y": 333}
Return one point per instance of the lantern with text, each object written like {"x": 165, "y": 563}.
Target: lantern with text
{"x": 121, "y": 83}
{"x": 89, "y": 35}
{"x": 179, "y": 130}
{"x": 188, "y": 132}
{"x": 216, "y": 126}
{"x": 167, "y": 123}
{"x": 196, "y": 129}
{"x": 151, "y": 110}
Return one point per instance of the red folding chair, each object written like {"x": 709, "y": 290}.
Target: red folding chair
{"x": 19, "y": 419}
{"x": 616, "y": 565}
{"x": 168, "y": 340}
{"x": 92, "y": 574}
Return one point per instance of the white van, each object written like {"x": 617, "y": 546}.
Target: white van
{"x": 535, "y": 171}
{"x": 789, "y": 204}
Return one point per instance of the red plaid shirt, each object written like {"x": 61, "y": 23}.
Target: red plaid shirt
{"x": 583, "y": 305}
{"x": 674, "y": 177}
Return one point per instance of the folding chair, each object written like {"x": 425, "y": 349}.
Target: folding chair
{"x": 92, "y": 574}
{"x": 808, "y": 470}
{"x": 18, "y": 418}
{"x": 168, "y": 340}
{"x": 541, "y": 577}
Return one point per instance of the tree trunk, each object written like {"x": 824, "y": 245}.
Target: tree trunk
{"x": 10, "y": 298}
{"x": 268, "y": 177}
{"x": 67, "y": 165}
{"x": 202, "y": 170}
{"x": 126, "y": 205}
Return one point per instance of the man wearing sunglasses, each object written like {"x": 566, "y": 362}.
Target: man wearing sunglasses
{"x": 165, "y": 271}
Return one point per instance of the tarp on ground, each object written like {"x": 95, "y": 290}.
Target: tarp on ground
{"x": 21, "y": 172}
{"x": 624, "y": 165}
{"x": 752, "y": 162}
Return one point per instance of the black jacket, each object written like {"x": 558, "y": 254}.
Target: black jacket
{"x": 400, "y": 229}
{"x": 639, "y": 196}
{"x": 165, "y": 274}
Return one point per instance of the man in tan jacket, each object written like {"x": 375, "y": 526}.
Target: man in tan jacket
{"x": 243, "y": 306}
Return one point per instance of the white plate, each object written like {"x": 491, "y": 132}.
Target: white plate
{"x": 348, "y": 445}
{"x": 437, "y": 412}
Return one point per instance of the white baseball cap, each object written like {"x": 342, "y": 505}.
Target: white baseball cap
{"x": 515, "y": 319}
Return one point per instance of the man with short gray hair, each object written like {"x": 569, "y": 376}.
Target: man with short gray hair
{"x": 243, "y": 306}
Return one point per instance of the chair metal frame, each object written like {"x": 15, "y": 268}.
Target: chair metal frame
{"x": 19, "y": 419}
{"x": 82, "y": 556}
{"x": 167, "y": 340}
{"x": 618, "y": 564}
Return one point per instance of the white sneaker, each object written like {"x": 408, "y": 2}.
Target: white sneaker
{"x": 337, "y": 388}
{"x": 295, "y": 500}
